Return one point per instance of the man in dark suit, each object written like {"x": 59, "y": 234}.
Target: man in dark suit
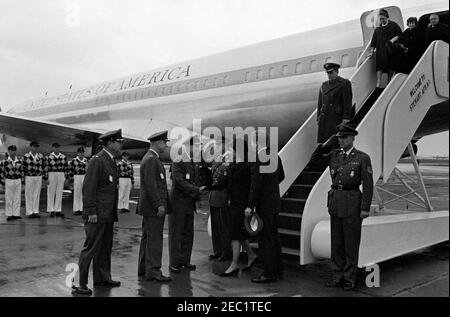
{"x": 99, "y": 214}
{"x": 185, "y": 193}
{"x": 436, "y": 31}
{"x": 153, "y": 207}
{"x": 335, "y": 102}
{"x": 265, "y": 200}
{"x": 347, "y": 206}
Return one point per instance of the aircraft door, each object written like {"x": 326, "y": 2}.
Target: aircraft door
{"x": 369, "y": 21}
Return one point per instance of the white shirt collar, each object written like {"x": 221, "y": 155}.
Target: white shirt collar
{"x": 14, "y": 161}
{"x": 349, "y": 151}
{"x": 34, "y": 156}
{"x": 81, "y": 159}
{"x": 155, "y": 152}
{"x": 57, "y": 155}
{"x": 110, "y": 155}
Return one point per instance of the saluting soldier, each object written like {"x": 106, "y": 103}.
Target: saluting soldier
{"x": 126, "y": 182}
{"x": 77, "y": 171}
{"x": 185, "y": 193}
{"x": 153, "y": 207}
{"x": 33, "y": 166}
{"x": 347, "y": 205}
{"x": 335, "y": 103}
{"x": 99, "y": 214}
{"x": 11, "y": 177}
{"x": 56, "y": 169}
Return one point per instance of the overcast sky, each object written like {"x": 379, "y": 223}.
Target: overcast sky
{"x": 47, "y": 45}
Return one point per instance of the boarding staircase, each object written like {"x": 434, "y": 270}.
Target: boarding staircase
{"x": 386, "y": 124}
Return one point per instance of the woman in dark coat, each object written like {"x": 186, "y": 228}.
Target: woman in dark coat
{"x": 237, "y": 183}
{"x": 412, "y": 41}
{"x": 382, "y": 44}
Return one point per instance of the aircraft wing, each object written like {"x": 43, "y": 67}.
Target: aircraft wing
{"x": 49, "y": 132}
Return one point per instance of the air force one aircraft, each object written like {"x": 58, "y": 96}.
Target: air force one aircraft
{"x": 274, "y": 83}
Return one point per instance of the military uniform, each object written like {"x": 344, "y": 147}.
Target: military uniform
{"x": 184, "y": 195}
{"x": 56, "y": 171}
{"x": 153, "y": 194}
{"x": 100, "y": 199}
{"x": 334, "y": 104}
{"x": 11, "y": 176}
{"x": 345, "y": 203}
{"x": 76, "y": 173}
{"x": 126, "y": 181}
{"x": 33, "y": 166}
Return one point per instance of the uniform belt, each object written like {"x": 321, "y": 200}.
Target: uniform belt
{"x": 341, "y": 187}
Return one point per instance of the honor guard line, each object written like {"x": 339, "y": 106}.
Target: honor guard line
{"x": 263, "y": 85}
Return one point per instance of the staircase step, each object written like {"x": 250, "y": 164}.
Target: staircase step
{"x": 294, "y": 252}
{"x": 298, "y": 191}
{"x": 308, "y": 177}
{"x": 289, "y": 238}
{"x": 289, "y": 221}
{"x": 293, "y": 205}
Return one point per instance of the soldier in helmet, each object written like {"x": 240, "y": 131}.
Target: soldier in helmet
{"x": 347, "y": 205}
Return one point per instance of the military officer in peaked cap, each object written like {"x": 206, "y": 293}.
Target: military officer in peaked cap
{"x": 153, "y": 206}
{"x": 100, "y": 213}
{"x": 347, "y": 205}
{"x": 335, "y": 102}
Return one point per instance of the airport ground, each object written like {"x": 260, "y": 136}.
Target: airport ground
{"x": 34, "y": 254}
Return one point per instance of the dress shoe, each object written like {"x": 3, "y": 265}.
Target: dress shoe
{"x": 189, "y": 266}
{"x": 9, "y": 218}
{"x": 77, "y": 213}
{"x": 160, "y": 278}
{"x": 109, "y": 283}
{"x": 231, "y": 273}
{"x": 249, "y": 267}
{"x": 59, "y": 214}
{"x": 263, "y": 279}
{"x": 37, "y": 216}
{"x": 213, "y": 256}
{"x": 81, "y": 290}
{"x": 52, "y": 214}
{"x": 32, "y": 216}
{"x": 17, "y": 217}
{"x": 174, "y": 268}
{"x": 348, "y": 286}
{"x": 126, "y": 210}
{"x": 334, "y": 283}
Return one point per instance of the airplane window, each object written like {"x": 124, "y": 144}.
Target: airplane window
{"x": 313, "y": 65}
{"x": 216, "y": 82}
{"x": 345, "y": 61}
{"x": 156, "y": 91}
{"x": 247, "y": 76}
{"x": 205, "y": 83}
{"x": 285, "y": 70}
{"x": 298, "y": 68}
{"x": 259, "y": 74}
{"x": 196, "y": 85}
{"x": 271, "y": 72}
{"x": 163, "y": 90}
{"x": 328, "y": 60}
{"x": 169, "y": 89}
{"x": 225, "y": 80}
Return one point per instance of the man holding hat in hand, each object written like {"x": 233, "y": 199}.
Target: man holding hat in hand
{"x": 11, "y": 176}
{"x": 347, "y": 205}
{"x": 153, "y": 207}
{"x": 99, "y": 214}
{"x": 335, "y": 102}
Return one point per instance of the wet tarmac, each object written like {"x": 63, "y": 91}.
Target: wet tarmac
{"x": 34, "y": 255}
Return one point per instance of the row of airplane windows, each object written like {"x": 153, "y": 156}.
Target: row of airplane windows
{"x": 271, "y": 71}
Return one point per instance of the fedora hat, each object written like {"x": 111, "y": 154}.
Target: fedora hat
{"x": 253, "y": 224}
